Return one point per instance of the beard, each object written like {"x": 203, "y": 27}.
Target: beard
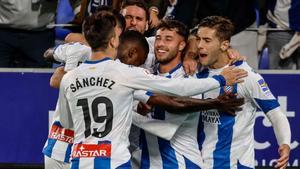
{"x": 165, "y": 60}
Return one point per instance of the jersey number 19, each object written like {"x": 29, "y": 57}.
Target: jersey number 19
{"x": 83, "y": 103}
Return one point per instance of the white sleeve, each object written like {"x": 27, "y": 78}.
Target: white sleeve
{"x": 281, "y": 126}
{"x": 60, "y": 53}
{"x": 141, "y": 95}
{"x": 160, "y": 128}
{"x": 139, "y": 78}
{"x": 264, "y": 99}
{"x": 151, "y": 59}
{"x": 151, "y": 41}
{"x": 260, "y": 93}
{"x": 72, "y": 54}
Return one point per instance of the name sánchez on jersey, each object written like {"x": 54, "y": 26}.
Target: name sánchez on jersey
{"x": 91, "y": 81}
{"x": 91, "y": 150}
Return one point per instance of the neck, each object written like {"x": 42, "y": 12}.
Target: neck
{"x": 167, "y": 67}
{"x": 222, "y": 61}
{"x": 99, "y": 54}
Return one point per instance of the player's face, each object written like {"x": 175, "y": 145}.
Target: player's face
{"x": 209, "y": 46}
{"x": 135, "y": 18}
{"x": 166, "y": 45}
{"x": 131, "y": 54}
{"x": 138, "y": 57}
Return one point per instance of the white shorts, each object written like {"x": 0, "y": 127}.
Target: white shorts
{"x": 51, "y": 163}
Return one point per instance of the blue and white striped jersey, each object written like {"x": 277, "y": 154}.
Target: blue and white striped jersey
{"x": 99, "y": 98}
{"x": 227, "y": 142}
{"x": 181, "y": 150}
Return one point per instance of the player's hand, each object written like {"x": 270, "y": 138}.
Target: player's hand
{"x": 233, "y": 75}
{"x": 189, "y": 64}
{"x": 48, "y": 55}
{"x": 228, "y": 103}
{"x": 284, "y": 152}
{"x": 234, "y": 56}
{"x": 154, "y": 20}
{"x": 143, "y": 109}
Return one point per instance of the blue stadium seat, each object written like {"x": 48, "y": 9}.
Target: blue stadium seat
{"x": 264, "y": 59}
{"x": 64, "y": 15}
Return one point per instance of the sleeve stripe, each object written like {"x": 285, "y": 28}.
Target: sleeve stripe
{"x": 220, "y": 79}
{"x": 267, "y": 105}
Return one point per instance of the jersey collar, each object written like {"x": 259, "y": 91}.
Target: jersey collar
{"x": 97, "y": 61}
{"x": 168, "y": 74}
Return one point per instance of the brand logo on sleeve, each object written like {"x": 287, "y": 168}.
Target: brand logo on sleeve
{"x": 59, "y": 133}
{"x": 264, "y": 87}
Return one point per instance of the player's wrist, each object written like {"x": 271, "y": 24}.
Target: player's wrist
{"x": 285, "y": 146}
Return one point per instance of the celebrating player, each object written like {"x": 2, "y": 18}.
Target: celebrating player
{"x": 228, "y": 141}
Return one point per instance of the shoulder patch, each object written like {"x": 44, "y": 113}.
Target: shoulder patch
{"x": 264, "y": 86}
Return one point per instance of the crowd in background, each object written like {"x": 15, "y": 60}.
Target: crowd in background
{"x": 272, "y": 26}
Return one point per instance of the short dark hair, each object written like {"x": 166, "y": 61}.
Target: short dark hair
{"x": 178, "y": 26}
{"x": 139, "y": 3}
{"x": 120, "y": 18}
{"x": 132, "y": 36}
{"x": 99, "y": 29}
{"x": 224, "y": 27}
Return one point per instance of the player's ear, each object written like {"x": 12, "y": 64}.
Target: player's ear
{"x": 225, "y": 45}
{"x": 147, "y": 25}
{"x": 113, "y": 42}
{"x": 182, "y": 45}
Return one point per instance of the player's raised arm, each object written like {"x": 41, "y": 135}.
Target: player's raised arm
{"x": 181, "y": 105}
{"x": 139, "y": 78}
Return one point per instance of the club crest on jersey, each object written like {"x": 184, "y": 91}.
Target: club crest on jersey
{"x": 211, "y": 117}
{"x": 264, "y": 87}
{"x": 61, "y": 134}
{"x": 228, "y": 89}
{"x": 91, "y": 150}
